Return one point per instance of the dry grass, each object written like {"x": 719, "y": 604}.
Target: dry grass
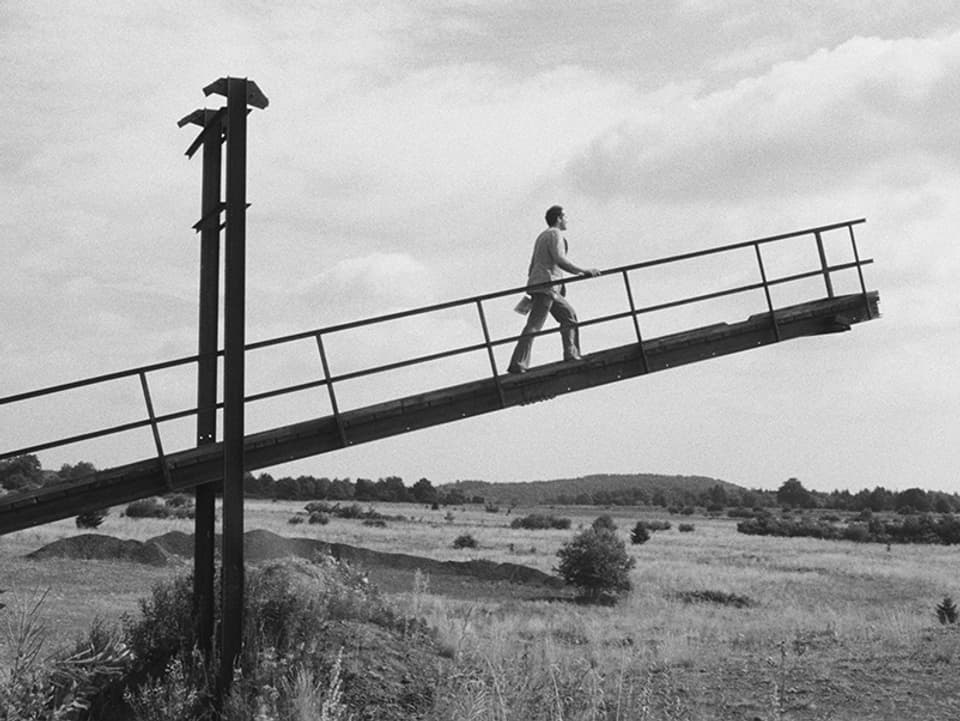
{"x": 828, "y": 622}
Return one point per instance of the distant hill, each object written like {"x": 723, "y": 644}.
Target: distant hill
{"x": 533, "y": 493}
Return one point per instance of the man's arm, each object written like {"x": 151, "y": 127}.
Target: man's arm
{"x": 564, "y": 262}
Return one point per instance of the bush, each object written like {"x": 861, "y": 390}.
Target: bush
{"x": 173, "y": 507}
{"x": 685, "y": 528}
{"x": 465, "y": 541}
{"x": 295, "y": 520}
{"x": 947, "y": 611}
{"x": 536, "y": 521}
{"x": 640, "y": 533}
{"x": 92, "y": 519}
{"x": 657, "y": 525}
{"x": 596, "y": 563}
{"x": 319, "y": 518}
{"x": 147, "y": 508}
{"x": 910, "y": 529}
{"x": 179, "y": 500}
{"x": 604, "y": 523}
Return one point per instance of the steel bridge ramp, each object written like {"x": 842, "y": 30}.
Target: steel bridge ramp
{"x": 186, "y": 469}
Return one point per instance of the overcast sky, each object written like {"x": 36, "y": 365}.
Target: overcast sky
{"x": 407, "y": 156}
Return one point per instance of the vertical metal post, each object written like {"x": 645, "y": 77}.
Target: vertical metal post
{"x": 636, "y": 321}
{"x": 493, "y": 360}
{"x": 156, "y": 431}
{"x": 204, "y": 550}
{"x": 766, "y": 290}
{"x": 823, "y": 264}
{"x": 863, "y": 286}
{"x": 233, "y": 377}
{"x": 333, "y": 396}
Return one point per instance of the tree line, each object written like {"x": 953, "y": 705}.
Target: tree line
{"x": 791, "y": 494}
{"x": 24, "y": 473}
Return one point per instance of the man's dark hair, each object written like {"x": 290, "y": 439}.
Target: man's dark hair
{"x": 553, "y": 213}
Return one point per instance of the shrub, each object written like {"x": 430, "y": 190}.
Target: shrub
{"x": 685, "y": 528}
{"x": 947, "y": 611}
{"x": 718, "y": 597}
{"x": 173, "y": 507}
{"x": 179, "y": 500}
{"x": 604, "y": 523}
{"x": 92, "y": 519}
{"x": 375, "y": 522}
{"x": 640, "y": 533}
{"x": 295, "y": 520}
{"x": 147, "y": 508}
{"x": 596, "y": 563}
{"x": 465, "y": 541}
{"x": 657, "y": 525}
{"x": 536, "y": 521}
{"x": 910, "y": 529}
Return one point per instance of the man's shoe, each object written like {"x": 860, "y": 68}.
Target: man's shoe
{"x": 574, "y": 357}
{"x": 516, "y": 370}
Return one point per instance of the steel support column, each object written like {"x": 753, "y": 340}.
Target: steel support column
{"x": 232, "y": 122}
{"x": 209, "y": 320}
{"x": 234, "y": 317}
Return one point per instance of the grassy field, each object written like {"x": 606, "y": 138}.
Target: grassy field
{"x": 719, "y": 625}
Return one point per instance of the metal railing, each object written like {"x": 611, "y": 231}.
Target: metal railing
{"x": 328, "y": 380}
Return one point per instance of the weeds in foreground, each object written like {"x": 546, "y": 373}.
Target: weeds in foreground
{"x": 533, "y": 685}
{"x": 61, "y": 686}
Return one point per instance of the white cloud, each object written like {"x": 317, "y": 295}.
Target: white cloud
{"x": 803, "y": 126}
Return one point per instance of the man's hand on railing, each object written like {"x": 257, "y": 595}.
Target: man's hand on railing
{"x": 591, "y": 273}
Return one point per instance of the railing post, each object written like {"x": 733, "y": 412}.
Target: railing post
{"x": 766, "y": 291}
{"x": 636, "y": 322}
{"x": 493, "y": 360}
{"x": 156, "y": 431}
{"x": 333, "y": 396}
{"x": 863, "y": 286}
{"x": 823, "y": 264}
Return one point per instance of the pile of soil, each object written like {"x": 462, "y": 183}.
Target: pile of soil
{"x": 96, "y": 546}
{"x": 390, "y": 571}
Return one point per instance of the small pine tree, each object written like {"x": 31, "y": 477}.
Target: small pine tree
{"x": 596, "y": 562}
{"x": 947, "y": 611}
{"x": 640, "y": 533}
{"x": 92, "y": 519}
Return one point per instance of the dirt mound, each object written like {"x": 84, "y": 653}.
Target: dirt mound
{"x": 176, "y": 543}
{"x": 391, "y": 666}
{"x": 260, "y": 546}
{"x": 95, "y": 546}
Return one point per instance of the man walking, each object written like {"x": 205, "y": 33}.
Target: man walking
{"x": 547, "y": 264}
